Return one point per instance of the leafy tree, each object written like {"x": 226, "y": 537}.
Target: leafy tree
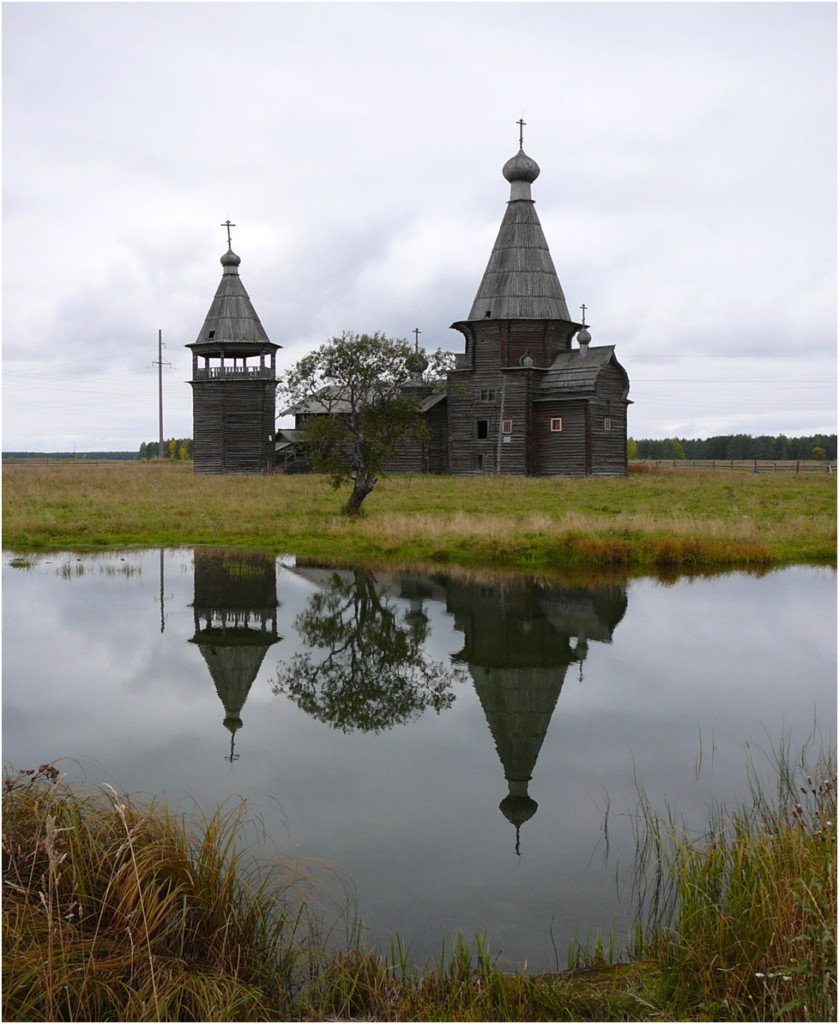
{"x": 631, "y": 449}
{"x": 360, "y": 399}
{"x": 819, "y": 453}
{"x": 371, "y": 672}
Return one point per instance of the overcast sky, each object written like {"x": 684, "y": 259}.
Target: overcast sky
{"x": 688, "y": 193}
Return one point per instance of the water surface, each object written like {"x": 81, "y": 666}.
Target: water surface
{"x": 452, "y": 746}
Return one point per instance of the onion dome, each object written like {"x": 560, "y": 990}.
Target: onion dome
{"x": 584, "y": 337}
{"x": 416, "y": 363}
{"x": 518, "y": 809}
{"x": 521, "y": 167}
{"x": 230, "y": 260}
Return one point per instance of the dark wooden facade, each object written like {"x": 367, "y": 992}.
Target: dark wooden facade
{"x": 524, "y": 402}
{"x": 233, "y": 383}
{"x": 524, "y": 399}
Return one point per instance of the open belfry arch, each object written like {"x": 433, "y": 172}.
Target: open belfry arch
{"x": 233, "y": 381}
{"x": 525, "y": 401}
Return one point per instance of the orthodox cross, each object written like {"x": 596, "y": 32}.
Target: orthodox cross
{"x": 521, "y": 123}
{"x": 228, "y": 225}
{"x": 417, "y": 333}
{"x": 583, "y": 308}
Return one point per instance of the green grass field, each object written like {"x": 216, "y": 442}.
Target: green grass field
{"x": 641, "y": 523}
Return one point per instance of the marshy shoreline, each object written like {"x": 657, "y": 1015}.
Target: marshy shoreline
{"x": 120, "y": 908}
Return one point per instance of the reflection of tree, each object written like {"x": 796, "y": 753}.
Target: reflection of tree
{"x": 373, "y": 673}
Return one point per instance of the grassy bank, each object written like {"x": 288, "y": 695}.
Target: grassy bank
{"x": 116, "y": 910}
{"x": 680, "y": 519}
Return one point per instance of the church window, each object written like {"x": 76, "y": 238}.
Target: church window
{"x": 556, "y": 423}
{"x": 477, "y": 462}
{"x": 212, "y": 334}
{"x": 506, "y": 426}
{"x": 488, "y": 396}
{"x": 482, "y": 429}
{"x": 607, "y": 424}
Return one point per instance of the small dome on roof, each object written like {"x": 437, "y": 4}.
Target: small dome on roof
{"x": 584, "y": 337}
{"x": 416, "y": 363}
{"x": 230, "y": 259}
{"x": 521, "y": 168}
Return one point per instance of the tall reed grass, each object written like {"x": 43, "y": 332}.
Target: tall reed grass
{"x": 115, "y": 910}
{"x": 741, "y": 915}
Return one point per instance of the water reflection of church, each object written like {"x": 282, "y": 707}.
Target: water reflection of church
{"x": 235, "y": 613}
{"x": 518, "y": 644}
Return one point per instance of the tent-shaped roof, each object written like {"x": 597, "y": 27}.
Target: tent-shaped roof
{"x": 520, "y": 280}
{"x": 231, "y": 319}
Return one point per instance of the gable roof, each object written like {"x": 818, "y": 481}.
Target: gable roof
{"x": 334, "y": 404}
{"x": 573, "y": 371}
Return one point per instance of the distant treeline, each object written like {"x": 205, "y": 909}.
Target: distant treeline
{"x": 736, "y": 446}
{"x": 119, "y": 456}
{"x": 174, "y": 448}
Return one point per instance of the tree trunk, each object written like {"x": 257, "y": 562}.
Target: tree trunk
{"x": 361, "y": 488}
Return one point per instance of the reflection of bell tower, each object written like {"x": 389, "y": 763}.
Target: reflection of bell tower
{"x": 518, "y": 647}
{"x": 235, "y": 611}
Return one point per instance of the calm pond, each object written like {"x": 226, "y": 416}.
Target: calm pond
{"x": 450, "y": 746}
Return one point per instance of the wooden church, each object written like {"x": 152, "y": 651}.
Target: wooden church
{"x": 527, "y": 402}
{"x": 523, "y": 399}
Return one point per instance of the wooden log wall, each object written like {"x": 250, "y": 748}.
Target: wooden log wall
{"x": 427, "y": 456}
{"x": 233, "y": 425}
{"x": 562, "y": 452}
{"x": 608, "y": 447}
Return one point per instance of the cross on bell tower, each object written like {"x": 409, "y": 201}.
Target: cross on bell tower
{"x": 228, "y": 225}
{"x": 521, "y": 123}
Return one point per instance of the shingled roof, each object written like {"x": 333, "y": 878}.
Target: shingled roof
{"x": 520, "y": 280}
{"x": 574, "y": 371}
{"x": 231, "y": 317}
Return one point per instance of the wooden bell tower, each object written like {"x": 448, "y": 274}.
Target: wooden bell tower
{"x": 233, "y": 382}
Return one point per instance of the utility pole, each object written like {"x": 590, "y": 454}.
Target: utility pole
{"x": 159, "y": 365}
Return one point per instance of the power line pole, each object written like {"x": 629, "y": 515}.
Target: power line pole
{"x": 159, "y": 365}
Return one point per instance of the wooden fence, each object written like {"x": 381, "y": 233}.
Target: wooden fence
{"x": 731, "y": 465}
{"x": 743, "y": 465}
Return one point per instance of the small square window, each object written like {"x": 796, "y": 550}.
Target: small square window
{"x": 212, "y": 334}
{"x": 607, "y": 424}
{"x": 556, "y": 423}
{"x": 488, "y": 396}
{"x": 477, "y": 462}
{"x": 482, "y": 429}
{"x": 506, "y": 426}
